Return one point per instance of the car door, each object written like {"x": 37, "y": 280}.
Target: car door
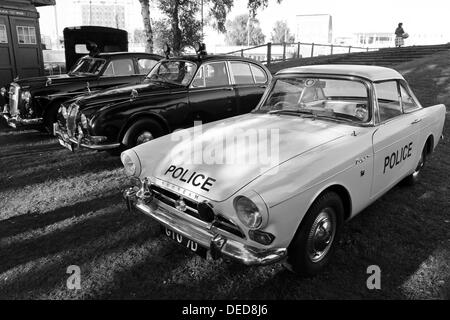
{"x": 119, "y": 71}
{"x": 250, "y": 82}
{"x": 396, "y": 141}
{"x": 211, "y": 94}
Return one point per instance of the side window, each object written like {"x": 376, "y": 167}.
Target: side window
{"x": 120, "y": 67}
{"x": 388, "y": 99}
{"x": 146, "y": 65}
{"x": 258, "y": 73}
{"x": 199, "y": 80}
{"x": 407, "y": 101}
{"x": 241, "y": 73}
{"x": 26, "y": 35}
{"x": 3, "y": 36}
{"x": 216, "y": 74}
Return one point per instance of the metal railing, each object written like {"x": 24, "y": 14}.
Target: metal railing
{"x": 276, "y": 52}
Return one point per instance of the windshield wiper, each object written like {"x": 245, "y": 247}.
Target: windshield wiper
{"x": 298, "y": 112}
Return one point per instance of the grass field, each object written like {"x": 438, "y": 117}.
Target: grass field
{"x": 59, "y": 209}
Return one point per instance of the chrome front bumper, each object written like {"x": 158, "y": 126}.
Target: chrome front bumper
{"x": 17, "y": 121}
{"x": 208, "y": 236}
{"x": 62, "y": 135}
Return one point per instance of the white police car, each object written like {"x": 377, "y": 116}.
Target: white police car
{"x": 340, "y": 136}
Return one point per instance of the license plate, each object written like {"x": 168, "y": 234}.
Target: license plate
{"x": 185, "y": 242}
{"x": 65, "y": 144}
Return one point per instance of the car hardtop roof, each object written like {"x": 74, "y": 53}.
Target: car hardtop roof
{"x": 372, "y": 73}
{"x": 124, "y": 53}
{"x": 195, "y": 58}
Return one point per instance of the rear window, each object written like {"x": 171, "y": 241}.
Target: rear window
{"x": 241, "y": 73}
{"x": 259, "y": 75}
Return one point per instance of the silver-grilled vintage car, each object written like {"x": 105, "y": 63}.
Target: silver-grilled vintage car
{"x": 340, "y": 136}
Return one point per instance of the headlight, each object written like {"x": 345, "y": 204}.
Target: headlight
{"x": 248, "y": 212}
{"x": 131, "y": 163}
{"x": 26, "y": 96}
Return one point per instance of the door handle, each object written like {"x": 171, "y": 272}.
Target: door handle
{"x": 416, "y": 121}
{"x": 263, "y": 86}
{"x": 228, "y": 88}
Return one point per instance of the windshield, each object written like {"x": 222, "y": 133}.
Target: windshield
{"x": 333, "y": 99}
{"x": 88, "y": 66}
{"x": 176, "y": 72}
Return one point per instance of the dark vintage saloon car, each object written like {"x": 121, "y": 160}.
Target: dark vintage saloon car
{"x": 35, "y": 101}
{"x": 177, "y": 92}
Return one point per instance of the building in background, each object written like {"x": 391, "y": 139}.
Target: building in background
{"x": 375, "y": 39}
{"x": 121, "y": 14}
{"x": 314, "y": 28}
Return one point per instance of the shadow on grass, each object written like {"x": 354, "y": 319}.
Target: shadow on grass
{"x": 75, "y": 235}
{"x": 32, "y": 221}
{"x": 51, "y": 275}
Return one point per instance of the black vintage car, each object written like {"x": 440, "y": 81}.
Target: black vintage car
{"x": 35, "y": 101}
{"x": 177, "y": 92}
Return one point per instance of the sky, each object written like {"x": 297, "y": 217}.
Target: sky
{"x": 349, "y": 16}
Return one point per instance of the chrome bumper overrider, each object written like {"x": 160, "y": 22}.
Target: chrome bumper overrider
{"x": 17, "y": 121}
{"x": 201, "y": 232}
{"x": 62, "y": 134}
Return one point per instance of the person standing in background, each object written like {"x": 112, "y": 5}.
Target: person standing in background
{"x": 399, "y": 35}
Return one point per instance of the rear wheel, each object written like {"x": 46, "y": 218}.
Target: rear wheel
{"x": 314, "y": 243}
{"x": 414, "y": 177}
{"x": 142, "y": 131}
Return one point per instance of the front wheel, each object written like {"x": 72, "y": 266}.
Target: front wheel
{"x": 142, "y": 131}
{"x": 314, "y": 243}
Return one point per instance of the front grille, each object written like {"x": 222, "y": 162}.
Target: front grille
{"x": 170, "y": 198}
{"x": 14, "y": 99}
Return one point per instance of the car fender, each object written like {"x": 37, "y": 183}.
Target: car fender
{"x": 142, "y": 115}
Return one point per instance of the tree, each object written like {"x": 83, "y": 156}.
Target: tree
{"x": 139, "y": 36}
{"x": 281, "y": 33}
{"x": 145, "y": 12}
{"x": 254, "y": 5}
{"x": 238, "y": 30}
{"x": 190, "y": 34}
{"x": 181, "y": 16}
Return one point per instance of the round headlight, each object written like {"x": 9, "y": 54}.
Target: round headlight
{"x": 131, "y": 163}
{"x": 248, "y": 212}
{"x": 26, "y": 96}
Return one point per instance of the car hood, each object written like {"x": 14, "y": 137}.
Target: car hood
{"x": 50, "y": 81}
{"x": 278, "y": 139}
{"x": 104, "y": 98}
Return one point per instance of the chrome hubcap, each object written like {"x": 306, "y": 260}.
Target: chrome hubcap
{"x": 419, "y": 166}
{"x": 321, "y": 235}
{"x": 144, "y": 137}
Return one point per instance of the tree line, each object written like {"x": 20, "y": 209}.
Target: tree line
{"x": 183, "y": 21}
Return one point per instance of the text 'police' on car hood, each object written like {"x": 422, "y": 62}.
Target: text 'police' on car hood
{"x": 218, "y": 159}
